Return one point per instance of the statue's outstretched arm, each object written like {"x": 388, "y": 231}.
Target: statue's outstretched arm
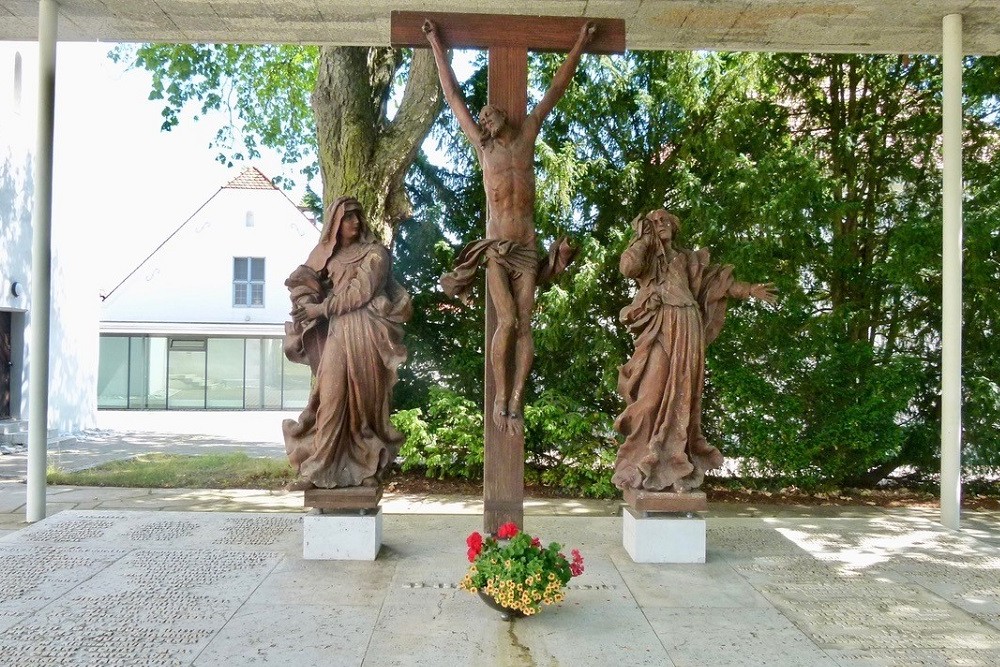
{"x": 763, "y": 291}
{"x": 449, "y": 84}
{"x": 560, "y": 82}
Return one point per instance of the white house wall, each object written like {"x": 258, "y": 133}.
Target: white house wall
{"x": 73, "y": 347}
{"x": 17, "y": 136}
{"x": 190, "y": 278}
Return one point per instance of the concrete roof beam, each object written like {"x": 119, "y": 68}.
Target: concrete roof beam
{"x": 861, "y": 26}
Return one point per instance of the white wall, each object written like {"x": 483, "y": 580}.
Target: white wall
{"x": 17, "y": 137}
{"x": 73, "y": 322}
{"x": 190, "y": 278}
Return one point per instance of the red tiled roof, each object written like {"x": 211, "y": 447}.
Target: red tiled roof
{"x": 251, "y": 179}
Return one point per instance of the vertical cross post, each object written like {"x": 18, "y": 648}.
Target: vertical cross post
{"x": 503, "y": 455}
{"x": 507, "y": 40}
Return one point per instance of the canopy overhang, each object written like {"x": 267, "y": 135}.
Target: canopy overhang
{"x": 838, "y": 26}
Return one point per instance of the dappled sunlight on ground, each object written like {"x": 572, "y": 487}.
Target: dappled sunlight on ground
{"x": 888, "y": 540}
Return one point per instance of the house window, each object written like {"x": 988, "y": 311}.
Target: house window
{"x": 248, "y": 282}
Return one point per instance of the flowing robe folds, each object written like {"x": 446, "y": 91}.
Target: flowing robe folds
{"x": 678, "y": 310}
{"x": 343, "y": 436}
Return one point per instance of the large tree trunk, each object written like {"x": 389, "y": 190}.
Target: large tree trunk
{"x": 361, "y": 152}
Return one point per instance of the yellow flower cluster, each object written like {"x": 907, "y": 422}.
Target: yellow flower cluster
{"x": 524, "y": 597}
{"x": 467, "y": 584}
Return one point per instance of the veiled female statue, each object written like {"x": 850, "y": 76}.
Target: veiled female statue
{"x": 678, "y": 309}
{"x": 347, "y": 312}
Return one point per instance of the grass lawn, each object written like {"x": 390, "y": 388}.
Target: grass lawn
{"x": 177, "y": 471}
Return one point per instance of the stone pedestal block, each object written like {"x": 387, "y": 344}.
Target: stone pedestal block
{"x": 343, "y": 535}
{"x": 663, "y": 538}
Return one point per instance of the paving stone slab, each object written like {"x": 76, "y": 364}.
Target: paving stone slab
{"x": 867, "y": 615}
{"x": 908, "y": 657}
{"x": 32, "y": 577}
{"x": 688, "y": 585}
{"x": 730, "y": 637}
{"x": 68, "y": 494}
{"x": 137, "y": 529}
{"x": 451, "y": 623}
{"x": 804, "y": 569}
{"x": 726, "y": 539}
{"x": 62, "y": 643}
{"x": 304, "y": 635}
{"x": 886, "y": 540}
{"x": 338, "y": 584}
{"x": 617, "y": 631}
{"x": 970, "y": 572}
{"x": 980, "y": 599}
{"x": 12, "y": 498}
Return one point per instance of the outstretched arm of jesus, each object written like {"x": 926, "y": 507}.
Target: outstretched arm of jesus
{"x": 560, "y": 82}
{"x": 449, "y": 84}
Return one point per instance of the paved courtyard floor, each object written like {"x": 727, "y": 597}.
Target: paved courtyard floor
{"x": 205, "y": 577}
{"x": 167, "y": 587}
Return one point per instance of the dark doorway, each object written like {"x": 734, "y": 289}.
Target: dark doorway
{"x": 5, "y": 363}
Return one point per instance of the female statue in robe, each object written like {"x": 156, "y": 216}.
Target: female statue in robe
{"x": 678, "y": 310}
{"x": 347, "y": 312}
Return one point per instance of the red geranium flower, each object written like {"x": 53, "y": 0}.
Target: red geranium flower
{"x": 507, "y": 531}
{"x": 576, "y": 567}
{"x": 535, "y": 542}
{"x": 475, "y": 543}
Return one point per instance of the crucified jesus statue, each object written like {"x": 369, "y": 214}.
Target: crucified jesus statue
{"x": 506, "y": 154}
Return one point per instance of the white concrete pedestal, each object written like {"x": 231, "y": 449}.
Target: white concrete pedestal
{"x": 342, "y": 535}
{"x": 663, "y": 538}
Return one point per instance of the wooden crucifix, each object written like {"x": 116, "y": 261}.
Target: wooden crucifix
{"x": 504, "y": 140}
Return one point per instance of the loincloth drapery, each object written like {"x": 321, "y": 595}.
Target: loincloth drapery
{"x": 516, "y": 258}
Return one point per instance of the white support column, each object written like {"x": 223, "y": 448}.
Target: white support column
{"x": 951, "y": 297}
{"x": 41, "y": 263}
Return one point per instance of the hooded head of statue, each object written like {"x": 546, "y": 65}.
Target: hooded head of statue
{"x": 330, "y": 239}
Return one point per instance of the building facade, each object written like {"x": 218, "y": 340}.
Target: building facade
{"x": 199, "y": 323}
{"x": 72, "y": 404}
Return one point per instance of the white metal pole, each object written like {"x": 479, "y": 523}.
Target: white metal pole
{"x": 951, "y": 296}
{"x": 41, "y": 264}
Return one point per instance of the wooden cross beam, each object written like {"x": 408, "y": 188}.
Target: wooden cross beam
{"x": 489, "y": 31}
{"x": 508, "y": 40}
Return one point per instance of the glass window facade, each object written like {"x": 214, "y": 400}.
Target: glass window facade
{"x": 191, "y": 373}
{"x": 112, "y": 373}
{"x": 225, "y": 373}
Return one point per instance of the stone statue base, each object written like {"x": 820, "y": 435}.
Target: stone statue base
{"x": 360, "y": 498}
{"x": 660, "y": 527}
{"x": 666, "y": 501}
{"x": 344, "y": 524}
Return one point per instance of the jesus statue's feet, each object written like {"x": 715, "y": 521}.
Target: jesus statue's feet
{"x": 514, "y": 407}
{"x": 500, "y": 413}
{"x": 515, "y": 424}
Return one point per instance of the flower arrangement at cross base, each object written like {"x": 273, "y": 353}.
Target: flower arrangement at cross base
{"x": 517, "y": 572}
